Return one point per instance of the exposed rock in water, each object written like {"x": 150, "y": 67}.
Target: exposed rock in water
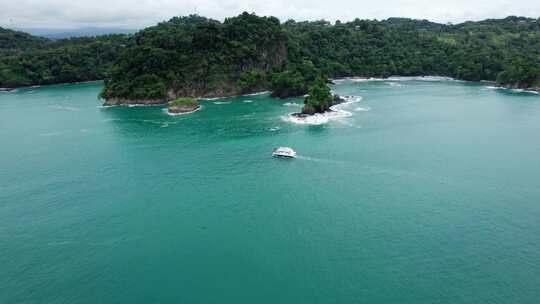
{"x": 521, "y": 86}
{"x": 116, "y": 101}
{"x": 181, "y": 106}
{"x": 336, "y": 99}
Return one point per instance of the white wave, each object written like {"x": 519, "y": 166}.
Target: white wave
{"x": 257, "y": 93}
{"x": 212, "y": 98}
{"x": 395, "y": 78}
{"x": 316, "y": 119}
{"x": 358, "y": 79}
{"x": 185, "y": 113}
{"x": 512, "y": 90}
{"x": 248, "y": 101}
{"x": 222, "y": 102}
{"x": 524, "y": 91}
{"x": 231, "y": 96}
{"x": 59, "y": 107}
{"x": 336, "y": 112}
{"x": 274, "y": 129}
{"x": 349, "y": 99}
{"x": 420, "y": 78}
{"x": 360, "y": 109}
{"x": 134, "y": 105}
{"x": 292, "y": 104}
{"x": 144, "y": 105}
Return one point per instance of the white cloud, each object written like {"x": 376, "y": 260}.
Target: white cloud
{"x": 141, "y": 13}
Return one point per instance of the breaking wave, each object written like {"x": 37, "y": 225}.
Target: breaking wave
{"x": 395, "y": 78}
{"x": 292, "y": 104}
{"x": 64, "y": 108}
{"x": 337, "y": 112}
{"x": 512, "y": 90}
{"x": 257, "y": 93}
{"x": 222, "y": 102}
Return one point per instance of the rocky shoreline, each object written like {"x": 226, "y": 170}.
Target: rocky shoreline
{"x": 126, "y": 102}
{"x": 335, "y": 101}
{"x": 182, "y": 109}
{"x": 520, "y": 86}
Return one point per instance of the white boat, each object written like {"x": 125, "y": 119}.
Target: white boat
{"x": 284, "y": 152}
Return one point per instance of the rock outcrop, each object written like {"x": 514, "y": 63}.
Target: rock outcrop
{"x": 181, "y": 109}
{"x": 336, "y": 99}
{"x": 521, "y": 86}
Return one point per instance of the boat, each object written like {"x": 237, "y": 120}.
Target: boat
{"x": 284, "y": 152}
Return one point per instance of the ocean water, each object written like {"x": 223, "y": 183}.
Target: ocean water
{"x": 413, "y": 192}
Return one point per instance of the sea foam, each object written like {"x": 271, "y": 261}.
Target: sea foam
{"x": 292, "y": 104}
{"x": 336, "y": 112}
{"x": 512, "y": 90}
{"x": 395, "y": 78}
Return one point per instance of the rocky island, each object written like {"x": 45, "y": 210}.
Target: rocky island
{"x": 182, "y": 106}
{"x": 319, "y": 100}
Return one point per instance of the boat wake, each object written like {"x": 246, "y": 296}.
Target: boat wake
{"x": 319, "y": 160}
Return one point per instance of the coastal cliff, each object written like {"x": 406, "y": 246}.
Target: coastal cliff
{"x": 199, "y": 58}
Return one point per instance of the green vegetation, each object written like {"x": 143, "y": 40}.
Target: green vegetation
{"x": 195, "y": 56}
{"x": 182, "y": 102}
{"x": 320, "y": 98}
{"x": 28, "y": 60}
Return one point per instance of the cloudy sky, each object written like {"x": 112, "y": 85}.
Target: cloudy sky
{"x": 136, "y": 14}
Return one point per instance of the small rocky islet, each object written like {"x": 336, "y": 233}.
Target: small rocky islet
{"x": 182, "y": 106}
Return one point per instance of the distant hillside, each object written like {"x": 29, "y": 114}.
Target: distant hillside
{"x": 10, "y": 39}
{"x": 195, "y": 56}
{"x": 30, "y": 60}
{"x": 56, "y": 34}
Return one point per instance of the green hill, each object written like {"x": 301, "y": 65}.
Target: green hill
{"x": 195, "y": 56}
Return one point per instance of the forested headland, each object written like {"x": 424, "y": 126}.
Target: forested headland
{"x": 27, "y": 60}
{"x": 195, "y": 56}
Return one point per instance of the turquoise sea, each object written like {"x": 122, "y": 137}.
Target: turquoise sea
{"x": 420, "y": 192}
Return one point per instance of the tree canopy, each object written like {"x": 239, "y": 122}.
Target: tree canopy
{"x": 195, "y": 56}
